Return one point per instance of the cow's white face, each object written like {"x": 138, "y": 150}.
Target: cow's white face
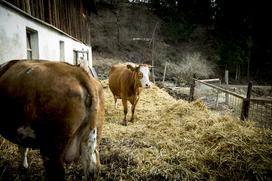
{"x": 144, "y": 76}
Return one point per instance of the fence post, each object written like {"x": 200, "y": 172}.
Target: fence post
{"x": 227, "y": 84}
{"x": 217, "y": 95}
{"x": 246, "y": 103}
{"x": 227, "y": 77}
{"x": 164, "y": 72}
{"x": 192, "y": 89}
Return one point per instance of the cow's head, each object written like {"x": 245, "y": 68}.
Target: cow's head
{"x": 143, "y": 72}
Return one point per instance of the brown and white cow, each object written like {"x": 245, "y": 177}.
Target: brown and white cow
{"x": 55, "y": 107}
{"x": 126, "y": 81}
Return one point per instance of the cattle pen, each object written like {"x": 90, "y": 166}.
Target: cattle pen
{"x": 243, "y": 106}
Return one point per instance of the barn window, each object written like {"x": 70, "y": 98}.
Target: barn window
{"x": 32, "y": 44}
{"x": 80, "y": 55}
{"x": 75, "y": 59}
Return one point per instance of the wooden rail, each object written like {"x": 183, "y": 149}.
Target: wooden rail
{"x": 219, "y": 88}
{"x": 261, "y": 100}
{"x": 245, "y": 99}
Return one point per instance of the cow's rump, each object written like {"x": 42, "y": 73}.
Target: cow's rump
{"x": 53, "y": 106}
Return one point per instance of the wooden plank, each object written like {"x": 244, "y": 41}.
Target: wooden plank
{"x": 255, "y": 86}
{"x": 27, "y": 4}
{"x": 221, "y": 89}
{"x": 50, "y": 12}
{"x": 92, "y": 70}
{"x": 69, "y": 19}
{"x": 211, "y": 80}
{"x": 261, "y": 100}
{"x": 42, "y": 9}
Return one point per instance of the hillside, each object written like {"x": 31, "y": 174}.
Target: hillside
{"x": 124, "y": 33}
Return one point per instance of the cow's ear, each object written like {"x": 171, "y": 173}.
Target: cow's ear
{"x": 137, "y": 68}
{"x": 150, "y": 67}
{"x": 130, "y": 67}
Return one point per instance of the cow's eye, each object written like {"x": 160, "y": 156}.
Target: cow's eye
{"x": 140, "y": 75}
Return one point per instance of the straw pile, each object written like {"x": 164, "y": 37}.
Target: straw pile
{"x": 172, "y": 140}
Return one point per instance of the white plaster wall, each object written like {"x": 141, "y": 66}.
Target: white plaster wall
{"x": 13, "y": 39}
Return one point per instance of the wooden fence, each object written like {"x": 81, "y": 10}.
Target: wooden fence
{"x": 246, "y": 107}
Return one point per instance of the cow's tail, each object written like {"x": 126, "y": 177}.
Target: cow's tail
{"x": 94, "y": 103}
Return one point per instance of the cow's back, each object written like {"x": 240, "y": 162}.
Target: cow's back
{"x": 44, "y": 103}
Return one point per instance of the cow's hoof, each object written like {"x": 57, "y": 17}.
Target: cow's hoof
{"x": 124, "y": 123}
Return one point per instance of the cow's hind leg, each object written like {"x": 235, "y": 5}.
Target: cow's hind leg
{"x": 53, "y": 165}
{"x": 134, "y": 103}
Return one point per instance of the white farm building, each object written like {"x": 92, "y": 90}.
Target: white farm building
{"x": 55, "y": 30}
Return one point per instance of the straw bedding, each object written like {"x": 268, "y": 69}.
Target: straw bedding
{"x": 168, "y": 140}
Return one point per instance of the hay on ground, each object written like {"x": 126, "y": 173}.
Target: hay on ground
{"x": 169, "y": 140}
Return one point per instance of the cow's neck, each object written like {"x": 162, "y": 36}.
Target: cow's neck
{"x": 136, "y": 81}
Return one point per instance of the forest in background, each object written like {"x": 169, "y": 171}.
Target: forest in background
{"x": 202, "y": 37}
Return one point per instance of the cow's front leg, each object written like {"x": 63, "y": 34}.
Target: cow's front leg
{"x": 23, "y": 152}
{"x": 124, "y": 101}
